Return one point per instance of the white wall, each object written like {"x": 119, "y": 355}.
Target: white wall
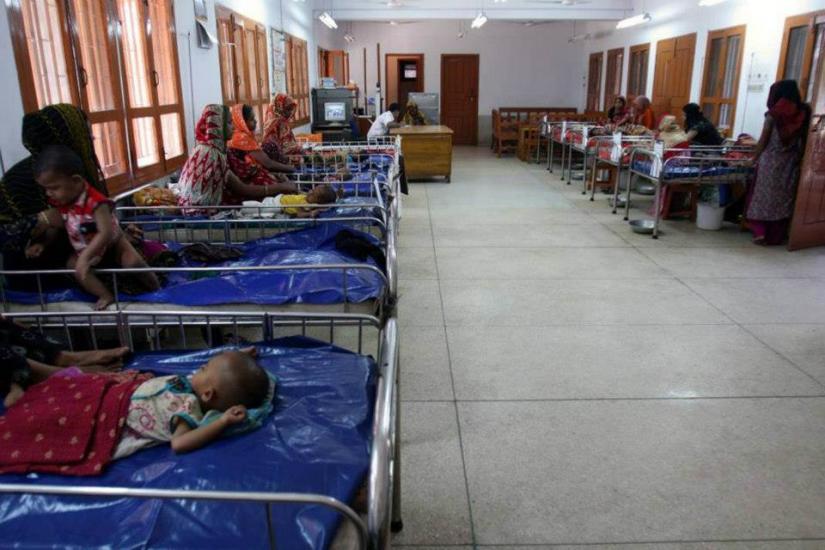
{"x": 518, "y": 65}
{"x": 11, "y": 117}
{"x": 763, "y": 42}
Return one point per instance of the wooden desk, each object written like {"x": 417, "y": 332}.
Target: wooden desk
{"x": 428, "y": 151}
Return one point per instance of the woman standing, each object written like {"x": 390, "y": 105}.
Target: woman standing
{"x": 279, "y": 140}
{"x": 206, "y": 177}
{"x": 777, "y": 157}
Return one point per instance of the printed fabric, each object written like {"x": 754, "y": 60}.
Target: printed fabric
{"x": 79, "y": 218}
{"x": 203, "y": 177}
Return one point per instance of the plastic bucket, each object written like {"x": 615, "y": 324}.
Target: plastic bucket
{"x": 709, "y": 217}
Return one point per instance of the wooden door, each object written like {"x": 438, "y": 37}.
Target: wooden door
{"x": 594, "y": 82}
{"x": 801, "y": 54}
{"x": 459, "y": 97}
{"x": 637, "y": 71}
{"x": 673, "y": 74}
{"x": 808, "y": 225}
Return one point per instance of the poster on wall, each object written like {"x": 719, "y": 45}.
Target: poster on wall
{"x": 278, "y": 61}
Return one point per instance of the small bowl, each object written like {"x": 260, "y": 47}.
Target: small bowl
{"x": 621, "y": 202}
{"x": 646, "y": 189}
{"x": 643, "y": 227}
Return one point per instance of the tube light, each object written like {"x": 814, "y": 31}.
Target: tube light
{"x": 479, "y": 21}
{"x": 633, "y": 21}
{"x": 710, "y": 2}
{"x": 327, "y": 20}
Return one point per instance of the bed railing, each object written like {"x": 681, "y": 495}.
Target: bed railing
{"x": 693, "y": 162}
{"x": 383, "y": 489}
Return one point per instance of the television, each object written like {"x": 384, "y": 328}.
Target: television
{"x": 411, "y": 72}
{"x": 335, "y": 112}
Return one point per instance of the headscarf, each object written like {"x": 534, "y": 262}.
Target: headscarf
{"x": 204, "y": 174}
{"x": 693, "y": 115}
{"x": 671, "y": 133}
{"x": 60, "y": 124}
{"x": 790, "y": 114}
{"x": 616, "y": 115}
{"x": 413, "y": 116}
{"x": 242, "y": 139}
{"x": 278, "y": 135}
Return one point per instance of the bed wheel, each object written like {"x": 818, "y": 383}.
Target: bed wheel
{"x": 656, "y": 237}
{"x": 592, "y": 199}
{"x": 396, "y": 526}
{"x": 625, "y": 218}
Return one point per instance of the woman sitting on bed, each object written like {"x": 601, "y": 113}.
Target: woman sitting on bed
{"x": 279, "y": 140}
{"x": 248, "y": 161}
{"x": 206, "y": 179}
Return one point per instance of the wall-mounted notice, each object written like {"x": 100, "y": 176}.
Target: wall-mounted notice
{"x": 277, "y": 43}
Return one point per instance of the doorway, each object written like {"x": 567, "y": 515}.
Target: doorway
{"x": 405, "y": 74}
{"x": 673, "y": 74}
{"x": 594, "y": 82}
{"x": 459, "y": 96}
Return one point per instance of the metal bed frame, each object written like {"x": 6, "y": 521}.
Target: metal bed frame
{"x": 563, "y": 128}
{"x": 616, "y": 160}
{"x": 587, "y": 147}
{"x": 221, "y": 232}
{"x": 383, "y": 482}
{"x": 700, "y": 157}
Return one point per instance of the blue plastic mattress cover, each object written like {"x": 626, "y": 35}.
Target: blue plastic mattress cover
{"x": 675, "y": 170}
{"x": 315, "y": 246}
{"x": 316, "y": 441}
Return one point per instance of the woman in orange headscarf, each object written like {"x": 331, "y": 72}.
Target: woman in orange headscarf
{"x": 643, "y": 113}
{"x": 279, "y": 141}
{"x": 248, "y": 161}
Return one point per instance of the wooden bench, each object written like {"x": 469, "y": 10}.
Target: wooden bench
{"x": 507, "y": 122}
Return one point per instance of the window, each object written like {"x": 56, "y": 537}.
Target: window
{"x": 297, "y": 77}
{"x": 115, "y": 59}
{"x": 637, "y": 71}
{"x": 594, "y": 82}
{"x": 802, "y": 46}
{"x": 244, "y": 63}
{"x": 613, "y": 80}
{"x": 334, "y": 64}
{"x": 720, "y": 87}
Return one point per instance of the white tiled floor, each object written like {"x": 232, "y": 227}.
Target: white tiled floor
{"x": 568, "y": 383}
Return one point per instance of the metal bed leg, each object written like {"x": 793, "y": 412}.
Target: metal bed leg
{"x": 593, "y": 176}
{"x": 569, "y": 164}
{"x": 550, "y": 147}
{"x": 656, "y": 210}
{"x": 584, "y": 171}
{"x": 396, "y": 521}
{"x": 616, "y": 188}
{"x": 627, "y": 199}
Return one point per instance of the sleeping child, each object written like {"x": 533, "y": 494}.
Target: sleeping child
{"x": 76, "y": 423}
{"x": 321, "y": 194}
{"x": 90, "y": 222}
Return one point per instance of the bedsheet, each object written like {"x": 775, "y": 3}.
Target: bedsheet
{"x": 315, "y": 245}
{"x": 316, "y": 441}
{"x": 675, "y": 170}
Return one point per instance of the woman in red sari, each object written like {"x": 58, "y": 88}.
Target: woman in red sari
{"x": 778, "y": 157}
{"x": 248, "y": 161}
{"x": 279, "y": 141}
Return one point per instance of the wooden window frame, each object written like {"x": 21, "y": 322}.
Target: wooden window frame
{"x": 237, "y": 53}
{"x": 326, "y": 64}
{"x": 120, "y": 113}
{"x": 598, "y": 91}
{"x": 297, "y": 77}
{"x": 632, "y": 93}
{"x": 803, "y": 20}
{"x": 612, "y": 73}
{"x": 716, "y": 99}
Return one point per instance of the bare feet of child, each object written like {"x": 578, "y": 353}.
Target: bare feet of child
{"x": 15, "y": 393}
{"x": 104, "y": 302}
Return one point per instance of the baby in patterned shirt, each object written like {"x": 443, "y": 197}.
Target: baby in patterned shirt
{"x": 89, "y": 219}
{"x": 173, "y": 408}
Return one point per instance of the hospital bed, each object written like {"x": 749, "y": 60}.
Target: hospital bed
{"x": 614, "y": 152}
{"x": 288, "y": 484}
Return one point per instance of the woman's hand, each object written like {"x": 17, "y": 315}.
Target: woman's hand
{"x": 34, "y": 250}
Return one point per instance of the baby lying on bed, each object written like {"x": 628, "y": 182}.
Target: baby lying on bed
{"x": 76, "y": 424}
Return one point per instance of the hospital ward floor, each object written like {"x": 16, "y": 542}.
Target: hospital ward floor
{"x": 567, "y": 383}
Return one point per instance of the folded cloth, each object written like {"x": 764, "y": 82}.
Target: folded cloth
{"x": 358, "y": 247}
{"x": 67, "y": 424}
{"x": 210, "y": 253}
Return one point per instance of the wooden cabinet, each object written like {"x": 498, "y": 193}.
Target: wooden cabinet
{"x": 428, "y": 151}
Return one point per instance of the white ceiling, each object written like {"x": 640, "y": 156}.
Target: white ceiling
{"x": 398, "y": 10}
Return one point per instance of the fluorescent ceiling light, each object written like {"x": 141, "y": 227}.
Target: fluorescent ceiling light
{"x": 633, "y": 21}
{"x": 327, "y": 20}
{"x": 710, "y": 2}
{"x": 349, "y": 38}
{"x": 479, "y": 21}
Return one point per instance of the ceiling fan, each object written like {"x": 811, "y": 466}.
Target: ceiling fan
{"x": 393, "y": 3}
{"x": 395, "y": 23}
{"x": 531, "y": 22}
